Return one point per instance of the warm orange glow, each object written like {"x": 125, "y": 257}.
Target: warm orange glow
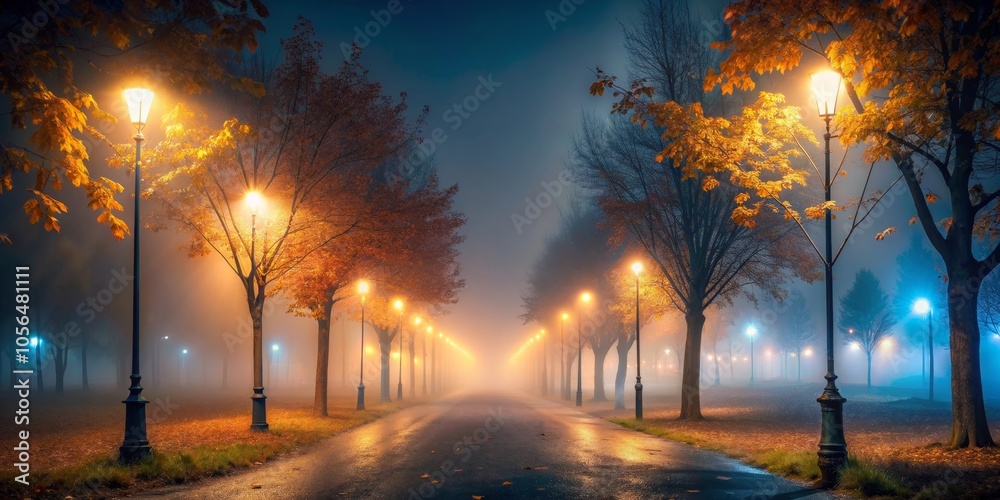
{"x": 398, "y": 305}
{"x": 637, "y": 268}
{"x": 440, "y": 335}
{"x": 416, "y": 320}
{"x": 826, "y": 89}
{"x": 430, "y": 329}
{"x": 254, "y": 201}
{"x": 363, "y": 287}
{"x": 565, "y": 316}
{"x": 138, "y": 101}
{"x": 585, "y": 297}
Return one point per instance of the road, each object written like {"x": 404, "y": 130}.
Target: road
{"x": 496, "y": 446}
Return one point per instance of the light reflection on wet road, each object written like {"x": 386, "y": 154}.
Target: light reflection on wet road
{"x": 496, "y": 446}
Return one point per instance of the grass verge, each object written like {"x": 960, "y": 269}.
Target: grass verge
{"x": 858, "y": 476}
{"x": 103, "y": 476}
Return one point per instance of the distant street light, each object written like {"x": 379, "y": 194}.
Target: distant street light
{"x": 135, "y": 447}
{"x": 923, "y": 306}
{"x": 751, "y": 332}
{"x": 274, "y": 361}
{"x": 399, "y": 389}
{"x": 584, "y": 299}
{"x": 363, "y": 291}
{"x": 37, "y": 344}
{"x": 637, "y": 268}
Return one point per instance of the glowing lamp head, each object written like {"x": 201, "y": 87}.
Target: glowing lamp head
{"x": 751, "y": 331}
{"x": 922, "y": 306}
{"x": 585, "y": 297}
{"x": 565, "y": 316}
{"x": 416, "y": 320}
{"x": 275, "y": 347}
{"x": 363, "y": 288}
{"x": 637, "y": 268}
{"x": 166, "y": 337}
{"x": 138, "y": 101}
{"x": 826, "y": 89}
{"x": 430, "y": 329}
{"x": 808, "y": 352}
{"x": 855, "y": 346}
{"x": 440, "y": 335}
{"x": 34, "y": 341}
{"x": 254, "y": 201}
{"x": 185, "y": 351}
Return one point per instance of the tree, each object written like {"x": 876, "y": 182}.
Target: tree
{"x": 866, "y": 317}
{"x": 176, "y": 44}
{"x": 671, "y": 209}
{"x": 925, "y": 101}
{"x": 797, "y": 329}
{"x": 580, "y": 257}
{"x": 306, "y": 148}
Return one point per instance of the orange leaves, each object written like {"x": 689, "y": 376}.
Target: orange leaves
{"x": 881, "y": 235}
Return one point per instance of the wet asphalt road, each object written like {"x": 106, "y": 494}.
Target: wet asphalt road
{"x": 496, "y": 445}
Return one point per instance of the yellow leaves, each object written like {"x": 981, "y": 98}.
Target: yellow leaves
{"x": 709, "y": 183}
{"x": 881, "y": 235}
{"x": 819, "y": 211}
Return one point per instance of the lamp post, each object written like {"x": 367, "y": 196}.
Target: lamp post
{"x": 399, "y": 388}
{"x": 37, "y": 344}
{"x": 637, "y": 268}
{"x": 430, "y": 329}
{"x": 258, "y": 400}
{"x": 584, "y": 298}
{"x": 923, "y": 306}
{"x": 363, "y": 290}
{"x": 135, "y": 446}
{"x": 832, "y": 443}
{"x": 563, "y": 388}
{"x": 274, "y": 360}
{"x": 751, "y": 332}
{"x": 545, "y": 364}
{"x": 434, "y": 369}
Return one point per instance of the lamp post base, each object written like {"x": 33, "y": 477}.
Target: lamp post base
{"x": 399, "y": 392}
{"x": 135, "y": 447}
{"x": 258, "y": 402}
{"x": 638, "y": 398}
{"x": 832, "y": 445}
{"x": 361, "y": 397}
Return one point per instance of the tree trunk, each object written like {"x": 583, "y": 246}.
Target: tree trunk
{"x": 385, "y": 350}
{"x": 869, "y": 371}
{"x": 969, "y": 427}
{"x": 322, "y": 361}
{"x": 715, "y": 358}
{"x": 62, "y": 359}
{"x": 568, "y": 373}
{"x": 83, "y": 364}
{"x": 691, "y": 380}
{"x": 600, "y": 353}
{"x": 225, "y": 370}
{"x": 623, "y": 348}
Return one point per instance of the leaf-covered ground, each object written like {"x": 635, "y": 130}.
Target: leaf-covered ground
{"x": 892, "y": 429}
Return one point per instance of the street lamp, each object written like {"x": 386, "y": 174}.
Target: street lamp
{"x": 832, "y": 443}
{"x": 923, "y": 306}
{"x": 399, "y": 389}
{"x": 363, "y": 291}
{"x": 584, "y": 299}
{"x": 37, "y": 344}
{"x": 545, "y": 364}
{"x": 135, "y": 446}
{"x": 563, "y": 388}
{"x": 751, "y": 332}
{"x": 274, "y": 360}
{"x": 258, "y": 400}
{"x": 637, "y": 268}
